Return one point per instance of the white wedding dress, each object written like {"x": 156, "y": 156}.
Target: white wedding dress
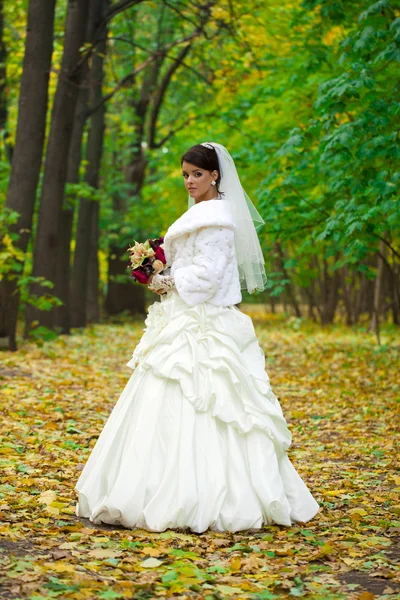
{"x": 197, "y": 438}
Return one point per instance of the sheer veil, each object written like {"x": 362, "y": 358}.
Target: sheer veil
{"x": 248, "y": 220}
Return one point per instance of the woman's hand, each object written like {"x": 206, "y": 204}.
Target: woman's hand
{"x": 161, "y": 283}
{"x": 156, "y": 291}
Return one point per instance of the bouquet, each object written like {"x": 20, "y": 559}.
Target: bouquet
{"x": 147, "y": 259}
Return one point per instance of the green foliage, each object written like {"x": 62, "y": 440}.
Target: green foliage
{"x": 304, "y": 94}
{"x": 10, "y": 256}
{"x": 332, "y": 186}
{"x": 306, "y": 98}
{"x": 12, "y": 265}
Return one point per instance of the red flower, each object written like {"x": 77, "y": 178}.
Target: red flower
{"x": 139, "y": 276}
{"x": 159, "y": 252}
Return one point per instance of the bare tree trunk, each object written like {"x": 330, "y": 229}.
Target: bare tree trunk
{"x": 3, "y": 75}
{"x": 27, "y": 156}
{"x": 360, "y": 296}
{"x": 330, "y": 295}
{"x": 396, "y": 293}
{"x": 121, "y": 296}
{"x": 392, "y": 281}
{"x": 272, "y": 302}
{"x": 87, "y": 231}
{"x": 289, "y": 287}
{"x": 92, "y": 300}
{"x": 378, "y": 294}
{"x": 55, "y": 170}
{"x": 5, "y": 136}
{"x": 62, "y": 283}
{"x": 311, "y": 304}
{"x": 346, "y": 294}
{"x": 124, "y": 295}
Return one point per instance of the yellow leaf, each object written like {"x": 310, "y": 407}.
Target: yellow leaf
{"x": 335, "y": 492}
{"x": 358, "y": 511}
{"x": 104, "y": 553}
{"x": 47, "y": 497}
{"x": 69, "y": 510}
{"x": 60, "y": 567}
{"x": 150, "y": 551}
{"x": 349, "y": 561}
{"x": 52, "y": 510}
{"x": 228, "y": 590}
{"x": 236, "y": 563}
{"x": 68, "y": 545}
{"x": 325, "y": 550}
{"x": 43, "y": 521}
{"x": 57, "y": 504}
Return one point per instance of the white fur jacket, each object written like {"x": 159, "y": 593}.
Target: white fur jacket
{"x": 199, "y": 247}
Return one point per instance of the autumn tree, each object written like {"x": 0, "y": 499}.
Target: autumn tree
{"x": 27, "y": 155}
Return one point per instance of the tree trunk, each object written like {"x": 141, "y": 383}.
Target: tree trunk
{"x": 374, "y": 326}
{"x": 55, "y": 170}
{"x": 330, "y": 295}
{"x": 3, "y": 75}
{"x": 92, "y": 300}
{"x": 87, "y": 229}
{"x": 5, "y": 141}
{"x": 62, "y": 283}
{"x": 126, "y": 296}
{"x": 347, "y": 296}
{"x": 289, "y": 286}
{"x": 27, "y": 156}
{"x": 396, "y": 293}
{"x": 123, "y": 296}
{"x": 272, "y": 302}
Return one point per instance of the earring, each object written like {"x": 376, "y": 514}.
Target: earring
{"x": 213, "y": 183}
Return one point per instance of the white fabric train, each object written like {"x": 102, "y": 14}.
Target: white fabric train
{"x": 197, "y": 438}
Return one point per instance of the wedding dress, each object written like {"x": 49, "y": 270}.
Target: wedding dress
{"x": 197, "y": 438}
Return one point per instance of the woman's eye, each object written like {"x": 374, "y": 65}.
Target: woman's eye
{"x": 199, "y": 174}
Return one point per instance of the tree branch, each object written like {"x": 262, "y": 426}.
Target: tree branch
{"x": 159, "y": 98}
{"x": 167, "y": 55}
{"x": 117, "y": 8}
{"x": 323, "y": 212}
{"x": 130, "y": 77}
{"x": 124, "y": 81}
{"x": 179, "y": 128}
{"x": 388, "y": 244}
{"x": 161, "y": 94}
{"x": 178, "y": 12}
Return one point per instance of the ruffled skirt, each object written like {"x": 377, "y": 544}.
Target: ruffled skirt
{"x": 197, "y": 438}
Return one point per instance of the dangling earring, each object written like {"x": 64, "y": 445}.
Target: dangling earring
{"x": 213, "y": 183}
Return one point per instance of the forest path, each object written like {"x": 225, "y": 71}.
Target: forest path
{"x": 339, "y": 393}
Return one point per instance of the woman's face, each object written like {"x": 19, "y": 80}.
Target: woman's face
{"x": 198, "y": 182}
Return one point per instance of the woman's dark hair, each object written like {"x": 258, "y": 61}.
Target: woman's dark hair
{"x": 204, "y": 157}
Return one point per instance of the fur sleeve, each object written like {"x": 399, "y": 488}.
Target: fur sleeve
{"x": 199, "y": 281}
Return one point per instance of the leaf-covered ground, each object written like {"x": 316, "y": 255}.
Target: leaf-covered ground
{"x": 339, "y": 393}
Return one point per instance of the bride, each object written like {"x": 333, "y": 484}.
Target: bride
{"x": 197, "y": 438}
